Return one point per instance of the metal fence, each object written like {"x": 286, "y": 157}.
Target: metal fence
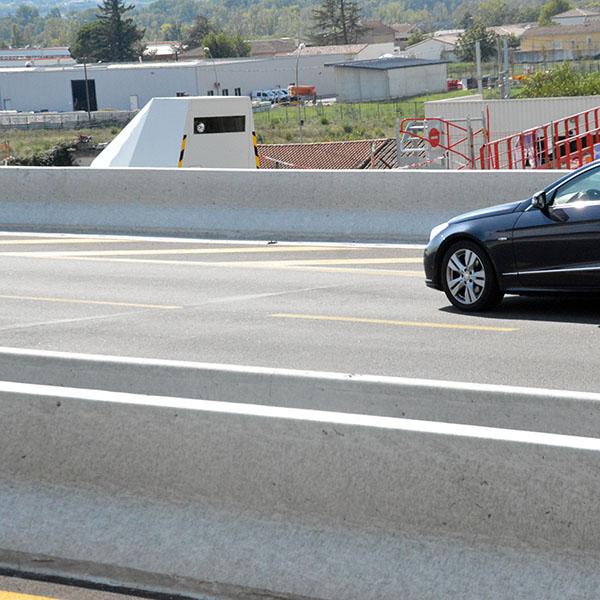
{"x": 338, "y": 112}
{"x": 66, "y": 120}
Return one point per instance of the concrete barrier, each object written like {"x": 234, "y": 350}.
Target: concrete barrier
{"x": 500, "y": 406}
{"x": 346, "y": 206}
{"x": 241, "y": 499}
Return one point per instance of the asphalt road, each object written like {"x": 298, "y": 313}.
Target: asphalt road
{"x": 16, "y": 588}
{"x": 357, "y": 309}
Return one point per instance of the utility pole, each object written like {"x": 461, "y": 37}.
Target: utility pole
{"x": 301, "y": 47}
{"x": 506, "y": 86}
{"x": 87, "y": 89}
{"x": 478, "y": 62}
{"x": 207, "y": 51}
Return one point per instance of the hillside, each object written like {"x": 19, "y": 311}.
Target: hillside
{"x": 55, "y": 22}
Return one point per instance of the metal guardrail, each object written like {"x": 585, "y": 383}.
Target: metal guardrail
{"x": 66, "y": 120}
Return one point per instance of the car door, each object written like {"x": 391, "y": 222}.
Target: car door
{"x": 560, "y": 247}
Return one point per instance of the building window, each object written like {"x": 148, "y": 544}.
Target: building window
{"x": 590, "y": 42}
{"x": 225, "y": 92}
{"x": 558, "y": 45}
{"x": 210, "y": 93}
{"x": 237, "y": 91}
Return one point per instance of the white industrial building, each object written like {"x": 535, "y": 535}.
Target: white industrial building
{"x": 130, "y": 86}
{"x": 35, "y": 57}
{"x": 442, "y": 48}
{"x": 388, "y": 78}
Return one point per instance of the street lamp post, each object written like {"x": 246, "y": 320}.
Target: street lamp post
{"x": 207, "y": 51}
{"x": 87, "y": 89}
{"x": 301, "y": 47}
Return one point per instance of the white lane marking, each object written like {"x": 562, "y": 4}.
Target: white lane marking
{"x": 180, "y": 251}
{"x": 439, "y": 384}
{"x": 245, "y": 297}
{"x": 310, "y": 415}
{"x": 73, "y": 320}
{"x": 59, "y": 241}
{"x": 242, "y": 264}
{"x": 185, "y": 240}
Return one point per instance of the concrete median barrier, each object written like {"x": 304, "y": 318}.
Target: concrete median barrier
{"x": 503, "y": 406}
{"x": 293, "y": 503}
{"x": 346, "y": 206}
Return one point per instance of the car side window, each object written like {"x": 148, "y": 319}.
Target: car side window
{"x": 585, "y": 188}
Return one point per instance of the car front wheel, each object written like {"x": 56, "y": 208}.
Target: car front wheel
{"x": 468, "y": 278}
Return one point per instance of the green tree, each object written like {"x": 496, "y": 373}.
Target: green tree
{"x": 15, "y": 38}
{"x": 201, "y": 27}
{"x": 561, "y": 81}
{"x": 26, "y": 15}
{"x": 551, "y": 8}
{"x": 88, "y": 43}
{"x": 494, "y": 12}
{"x": 223, "y": 45}
{"x": 336, "y": 22}
{"x": 120, "y": 38}
{"x": 415, "y": 37}
{"x": 465, "y": 46}
{"x": 112, "y": 37}
{"x": 171, "y": 32}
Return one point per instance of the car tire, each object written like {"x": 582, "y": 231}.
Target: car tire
{"x": 469, "y": 279}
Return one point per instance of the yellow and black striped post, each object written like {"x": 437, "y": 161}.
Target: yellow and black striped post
{"x": 256, "y": 156}
{"x": 182, "y": 152}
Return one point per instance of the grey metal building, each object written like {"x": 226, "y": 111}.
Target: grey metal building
{"x": 388, "y": 78}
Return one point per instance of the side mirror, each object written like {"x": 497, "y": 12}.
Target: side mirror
{"x": 540, "y": 200}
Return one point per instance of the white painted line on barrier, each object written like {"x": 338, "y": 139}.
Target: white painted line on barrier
{"x": 302, "y": 414}
{"x": 439, "y": 384}
{"x": 186, "y": 240}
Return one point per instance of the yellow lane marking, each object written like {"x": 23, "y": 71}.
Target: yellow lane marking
{"x": 15, "y": 596}
{"x": 392, "y": 322}
{"x": 361, "y": 271}
{"x": 245, "y": 250}
{"x": 52, "y": 241}
{"x": 77, "y": 301}
{"x": 327, "y": 261}
{"x": 270, "y": 265}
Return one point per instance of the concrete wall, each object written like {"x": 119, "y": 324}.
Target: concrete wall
{"x": 361, "y": 85}
{"x": 420, "y": 80}
{"x": 364, "y": 85}
{"x": 20, "y": 88}
{"x": 248, "y": 501}
{"x": 389, "y": 206}
{"x": 511, "y": 116}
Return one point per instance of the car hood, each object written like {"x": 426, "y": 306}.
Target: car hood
{"x": 500, "y": 209}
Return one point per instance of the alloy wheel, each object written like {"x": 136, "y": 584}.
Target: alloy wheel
{"x": 465, "y": 276}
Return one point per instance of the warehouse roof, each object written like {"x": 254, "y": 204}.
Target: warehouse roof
{"x": 562, "y": 30}
{"x": 577, "y": 12}
{"x": 384, "y": 64}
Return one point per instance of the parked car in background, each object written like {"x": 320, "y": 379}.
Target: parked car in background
{"x": 454, "y": 84}
{"x": 264, "y": 95}
{"x": 547, "y": 244}
{"x": 281, "y": 95}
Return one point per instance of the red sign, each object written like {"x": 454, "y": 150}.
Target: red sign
{"x": 434, "y": 137}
